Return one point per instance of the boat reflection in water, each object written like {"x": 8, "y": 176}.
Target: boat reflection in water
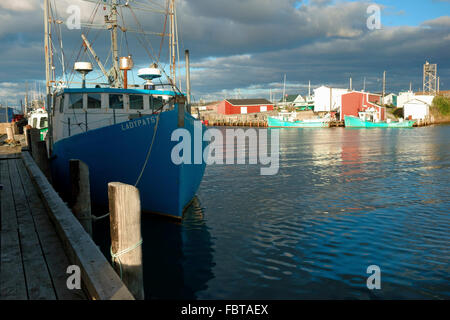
{"x": 178, "y": 257}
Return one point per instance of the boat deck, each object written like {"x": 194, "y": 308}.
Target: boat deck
{"x": 33, "y": 261}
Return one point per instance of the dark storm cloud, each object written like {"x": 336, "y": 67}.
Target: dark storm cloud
{"x": 247, "y": 45}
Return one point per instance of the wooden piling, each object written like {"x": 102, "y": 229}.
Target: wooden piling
{"x": 125, "y": 224}
{"x": 80, "y": 193}
{"x": 35, "y": 136}
{"x": 27, "y": 134}
{"x": 39, "y": 153}
{"x": 10, "y": 133}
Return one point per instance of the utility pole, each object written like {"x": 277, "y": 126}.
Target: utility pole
{"x": 351, "y": 87}
{"x": 26, "y": 98}
{"x": 309, "y": 90}
{"x": 364, "y": 84}
{"x": 384, "y": 88}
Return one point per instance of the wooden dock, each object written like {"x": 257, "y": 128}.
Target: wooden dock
{"x": 33, "y": 261}
{"x": 40, "y": 238}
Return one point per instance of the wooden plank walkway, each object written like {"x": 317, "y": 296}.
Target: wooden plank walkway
{"x": 33, "y": 261}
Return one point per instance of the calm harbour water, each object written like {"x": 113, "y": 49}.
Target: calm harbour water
{"x": 344, "y": 199}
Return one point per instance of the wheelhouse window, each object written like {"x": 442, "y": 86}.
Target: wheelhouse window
{"x": 61, "y": 104}
{"x": 116, "y": 101}
{"x": 94, "y": 101}
{"x": 34, "y": 123}
{"x": 43, "y": 123}
{"x": 75, "y": 101}
{"x": 136, "y": 102}
{"x": 156, "y": 102}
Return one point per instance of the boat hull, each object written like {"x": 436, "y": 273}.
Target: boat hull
{"x": 118, "y": 153}
{"x": 355, "y": 122}
{"x": 276, "y": 123}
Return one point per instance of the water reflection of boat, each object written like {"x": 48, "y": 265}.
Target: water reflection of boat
{"x": 178, "y": 257}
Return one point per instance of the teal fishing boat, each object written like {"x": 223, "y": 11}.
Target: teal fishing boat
{"x": 355, "y": 122}
{"x": 289, "y": 121}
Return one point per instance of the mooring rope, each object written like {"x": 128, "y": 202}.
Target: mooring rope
{"x": 149, "y": 151}
{"x": 95, "y": 218}
{"x": 117, "y": 255}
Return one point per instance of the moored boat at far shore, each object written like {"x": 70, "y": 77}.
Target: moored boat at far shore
{"x": 355, "y": 122}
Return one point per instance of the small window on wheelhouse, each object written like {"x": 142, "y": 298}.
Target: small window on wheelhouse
{"x": 116, "y": 101}
{"x": 136, "y": 102}
{"x": 61, "y": 104}
{"x": 94, "y": 101}
{"x": 43, "y": 123}
{"x": 75, "y": 101}
{"x": 156, "y": 103}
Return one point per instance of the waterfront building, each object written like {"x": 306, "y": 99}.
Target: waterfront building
{"x": 327, "y": 99}
{"x": 359, "y": 101}
{"x": 418, "y": 108}
{"x": 243, "y": 106}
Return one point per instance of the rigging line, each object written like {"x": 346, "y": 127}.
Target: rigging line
{"x": 143, "y": 36}
{"x": 178, "y": 46}
{"x": 124, "y": 32}
{"x": 91, "y": 18}
{"x": 145, "y": 5}
{"x": 164, "y": 30}
{"x": 59, "y": 35}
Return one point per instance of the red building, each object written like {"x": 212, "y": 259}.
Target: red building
{"x": 243, "y": 106}
{"x": 357, "y": 101}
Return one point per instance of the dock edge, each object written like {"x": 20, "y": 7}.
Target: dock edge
{"x": 98, "y": 277}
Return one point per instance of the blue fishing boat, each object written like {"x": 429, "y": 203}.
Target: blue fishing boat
{"x": 125, "y": 134}
{"x": 355, "y": 122}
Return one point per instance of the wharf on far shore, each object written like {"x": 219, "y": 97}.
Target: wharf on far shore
{"x": 258, "y": 119}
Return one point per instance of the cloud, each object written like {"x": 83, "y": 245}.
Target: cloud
{"x": 441, "y": 22}
{"x": 244, "y": 46}
{"x": 19, "y": 5}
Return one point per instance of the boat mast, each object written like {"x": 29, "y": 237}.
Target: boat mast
{"x": 173, "y": 72}
{"x": 46, "y": 48}
{"x": 48, "y": 73}
{"x": 115, "y": 50}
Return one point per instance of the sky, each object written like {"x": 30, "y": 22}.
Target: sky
{"x": 243, "y": 48}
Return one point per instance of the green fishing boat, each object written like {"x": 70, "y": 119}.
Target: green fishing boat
{"x": 288, "y": 120}
{"x": 355, "y": 122}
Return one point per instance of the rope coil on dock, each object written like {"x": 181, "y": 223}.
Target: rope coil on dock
{"x": 116, "y": 256}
